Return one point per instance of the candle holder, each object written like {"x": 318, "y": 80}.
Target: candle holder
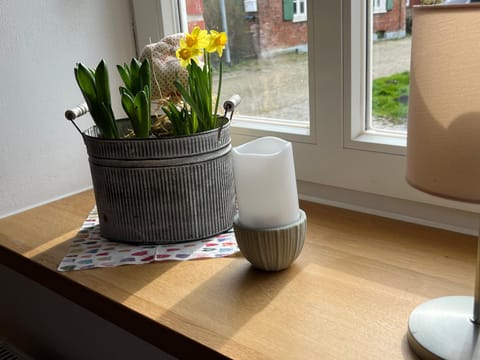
{"x": 271, "y": 249}
{"x": 269, "y": 226}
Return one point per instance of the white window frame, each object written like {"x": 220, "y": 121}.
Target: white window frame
{"x": 339, "y": 161}
{"x": 357, "y": 135}
{"x": 378, "y": 156}
{"x": 299, "y": 15}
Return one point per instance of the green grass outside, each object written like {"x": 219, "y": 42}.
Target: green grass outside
{"x": 390, "y": 97}
{"x": 281, "y": 88}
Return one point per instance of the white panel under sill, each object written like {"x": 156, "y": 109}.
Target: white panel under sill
{"x": 445, "y": 218}
{"x": 291, "y": 130}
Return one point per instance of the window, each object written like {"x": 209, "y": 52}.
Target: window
{"x": 294, "y": 10}
{"x": 338, "y": 159}
{"x": 250, "y": 5}
{"x": 299, "y": 10}
{"x": 377, "y": 64}
{"x": 379, "y": 6}
{"x": 267, "y": 59}
{"x": 388, "y": 42}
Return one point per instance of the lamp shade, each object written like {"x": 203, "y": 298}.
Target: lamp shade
{"x": 443, "y": 144}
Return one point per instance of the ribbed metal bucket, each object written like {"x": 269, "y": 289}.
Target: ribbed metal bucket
{"x": 162, "y": 190}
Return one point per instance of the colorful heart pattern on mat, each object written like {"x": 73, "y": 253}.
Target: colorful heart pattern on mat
{"x": 90, "y": 250}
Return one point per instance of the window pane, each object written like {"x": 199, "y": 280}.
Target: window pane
{"x": 266, "y": 61}
{"x": 390, "y": 64}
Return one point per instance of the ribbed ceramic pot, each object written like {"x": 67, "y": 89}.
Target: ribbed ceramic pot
{"x": 162, "y": 190}
{"x": 271, "y": 249}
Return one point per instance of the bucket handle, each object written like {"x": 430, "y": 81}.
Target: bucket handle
{"x": 231, "y": 104}
{"x": 81, "y": 109}
{"x": 76, "y": 112}
{"x": 229, "y": 107}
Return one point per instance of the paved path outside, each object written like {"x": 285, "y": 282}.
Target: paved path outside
{"x": 283, "y": 81}
{"x": 276, "y": 87}
{"x": 390, "y": 57}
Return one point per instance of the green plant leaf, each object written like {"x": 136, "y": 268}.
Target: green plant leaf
{"x": 135, "y": 85}
{"x": 219, "y": 89}
{"x": 187, "y": 97}
{"x": 125, "y": 90}
{"x": 109, "y": 130}
{"x": 148, "y": 111}
{"x": 124, "y": 74}
{"x": 145, "y": 74}
{"x": 95, "y": 89}
{"x": 101, "y": 83}
{"x": 86, "y": 82}
{"x": 193, "y": 124}
{"x": 128, "y": 103}
{"x": 135, "y": 96}
{"x": 142, "y": 112}
{"x": 178, "y": 118}
{"x": 135, "y": 65}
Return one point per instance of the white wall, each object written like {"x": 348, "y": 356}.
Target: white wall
{"x": 42, "y": 157}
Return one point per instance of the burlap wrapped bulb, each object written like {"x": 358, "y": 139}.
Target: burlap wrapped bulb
{"x": 165, "y": 66}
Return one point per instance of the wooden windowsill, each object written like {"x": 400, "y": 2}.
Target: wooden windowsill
{"x": 348, "y": 295}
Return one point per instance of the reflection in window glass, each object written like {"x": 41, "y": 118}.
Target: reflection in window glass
{"x": 390, "y": 63}
{"x": 267, "y": 53}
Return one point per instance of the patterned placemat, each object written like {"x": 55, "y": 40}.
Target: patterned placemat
{"x": 90, "y": 250}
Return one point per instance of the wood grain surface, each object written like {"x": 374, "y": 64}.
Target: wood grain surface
{"x": 348, "y": 295}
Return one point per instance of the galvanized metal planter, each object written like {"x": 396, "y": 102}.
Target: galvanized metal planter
{"x": 162, "y": 190}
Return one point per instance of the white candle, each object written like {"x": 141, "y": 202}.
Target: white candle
{"x": 265, "y": 183}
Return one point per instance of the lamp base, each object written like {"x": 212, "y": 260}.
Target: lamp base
{"x": 442, "y": 329}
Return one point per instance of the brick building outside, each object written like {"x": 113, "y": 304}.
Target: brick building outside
{"x": 389, "y": 19}
{"x": 392, "y": 18}
{"x": 260, "y": 28}
{"x": 256, "y": 28}
{"x": 280, "y": 26}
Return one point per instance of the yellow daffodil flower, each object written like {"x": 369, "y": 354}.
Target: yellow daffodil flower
{"x": 199, "y": 111}
{"x": 186, "y": 54}
{"x": 197, "y": 38}
{"x": 218, "y": 40}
